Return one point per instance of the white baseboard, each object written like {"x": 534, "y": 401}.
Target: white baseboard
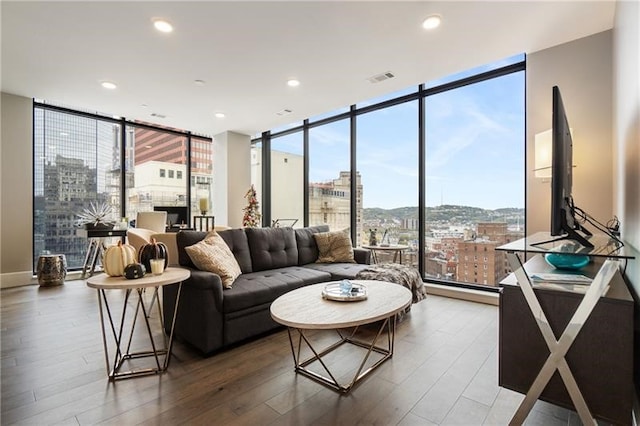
{"x": 19, "y": 279}
{"x": 479, "y": 296}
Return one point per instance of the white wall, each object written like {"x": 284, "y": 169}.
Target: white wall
{"x": 626, "y": 134}
{"x": 626, "y": 142}
{"x": 582, "y": 69}
{"x": 232, "y": 177}
{"x": 16, "y": 195}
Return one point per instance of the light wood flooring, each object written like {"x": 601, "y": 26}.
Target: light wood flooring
{"x": 444, "y": 371}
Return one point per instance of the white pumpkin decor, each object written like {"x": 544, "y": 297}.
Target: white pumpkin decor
{"x": 116, "y": 257}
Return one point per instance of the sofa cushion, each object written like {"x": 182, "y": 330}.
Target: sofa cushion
{"x": 213, "y": 255}
{"x": 272, "y": 248}
{"x": 185, "y": 239}
{"x": 262, "y": 287}
{"x": 338, "y": 271}
{"x": 307, "y": 246}
{"x": 237, "y": 241}
{"x": 334, "y": 247}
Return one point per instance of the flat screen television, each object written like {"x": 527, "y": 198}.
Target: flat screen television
{"x": 563, "y": 212}
{"x": 176, "y": 215}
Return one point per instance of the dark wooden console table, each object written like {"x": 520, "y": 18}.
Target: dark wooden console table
{"x": 570, "y": 345}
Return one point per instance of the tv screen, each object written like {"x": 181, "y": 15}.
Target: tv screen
{"x": 563, "y": 218}
{"x": 176, "y": 215}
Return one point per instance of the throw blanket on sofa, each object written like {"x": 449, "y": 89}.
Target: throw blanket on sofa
{"x": 396, "y": 273}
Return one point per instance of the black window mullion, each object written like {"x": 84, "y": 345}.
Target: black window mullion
{"x": 305, "y": 173}
{"x": 422, "y": 182}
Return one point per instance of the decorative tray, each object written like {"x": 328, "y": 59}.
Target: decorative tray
{"x": 344, "y": 291}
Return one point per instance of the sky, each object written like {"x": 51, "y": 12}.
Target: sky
{"x": 474, "y": 153}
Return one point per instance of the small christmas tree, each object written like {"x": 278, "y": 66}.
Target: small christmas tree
{"x": 251, "y": 218}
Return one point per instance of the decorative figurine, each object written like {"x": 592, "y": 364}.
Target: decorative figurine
{"x": 372, "y": 237}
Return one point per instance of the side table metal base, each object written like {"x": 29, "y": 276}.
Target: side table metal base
{"x": 160, "y": 355}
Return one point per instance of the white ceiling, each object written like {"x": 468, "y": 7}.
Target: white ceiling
{"x": 246, "y": 51}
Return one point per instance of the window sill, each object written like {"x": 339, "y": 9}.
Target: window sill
{"x": 478, "y": 296}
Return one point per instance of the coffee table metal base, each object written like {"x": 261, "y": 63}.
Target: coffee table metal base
{"x": 301, "y": 365}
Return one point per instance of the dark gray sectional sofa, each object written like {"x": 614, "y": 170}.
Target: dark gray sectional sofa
{"x": 273, "y": 261}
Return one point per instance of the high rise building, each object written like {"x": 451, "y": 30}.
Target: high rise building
{"x": 330, "y": 202}
{"x": 69, "y": 184}
{"x": 478, "y": 261}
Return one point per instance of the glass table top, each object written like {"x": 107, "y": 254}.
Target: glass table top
{"x": 543, "y": 242}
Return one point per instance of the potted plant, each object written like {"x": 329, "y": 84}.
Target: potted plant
{"x": 96, "y": 216}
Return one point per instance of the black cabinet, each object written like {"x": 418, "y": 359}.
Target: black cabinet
{"x": 601, "y": 357}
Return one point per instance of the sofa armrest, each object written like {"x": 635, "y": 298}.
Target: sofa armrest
{"x": 203, "y": 280}
{"x": 200, "y": 316}
{"x": 362, "y": 255}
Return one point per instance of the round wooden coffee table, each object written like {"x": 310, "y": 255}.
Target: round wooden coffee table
{"x": 305, "y": 309}
{"x": 102, "y": 283}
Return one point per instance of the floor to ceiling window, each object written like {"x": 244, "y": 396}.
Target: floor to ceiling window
{"x": 201, "y": 176}
{"x": 76, "y": 163}
{"x": 330, "y": 176}
{"x": 80, "y": 160}
{"x": 468, "y": 161}
{"x": 387, "y": 160}
{"x": 287, "y": 180}
{"x": 156, "y": 169}
{"x": 475, "y": 179}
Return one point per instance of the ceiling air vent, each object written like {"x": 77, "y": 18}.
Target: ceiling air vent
{"x": 155, "y": 114}
{"x": 381, "y": 77}
{"x": 284, "y": 112}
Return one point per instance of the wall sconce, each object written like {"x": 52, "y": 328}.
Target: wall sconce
{"x": 542, "y": 155}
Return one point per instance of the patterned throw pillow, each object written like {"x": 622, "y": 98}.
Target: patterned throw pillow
{"x": 214, "y": 255}
{"x": 334, "y": 247}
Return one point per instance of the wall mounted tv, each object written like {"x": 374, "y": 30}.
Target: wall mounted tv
{"x": 564, "y": 221}
{"x": 176, "y": 215}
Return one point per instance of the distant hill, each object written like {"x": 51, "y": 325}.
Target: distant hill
{"x": 446, "y": 214}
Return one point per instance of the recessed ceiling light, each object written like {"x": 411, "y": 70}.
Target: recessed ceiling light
{"x": 148, "y": 146}
{"x": 431, "y": 22}
{"x": 293, "y": 82}
{"x": 162, "y": 25}
{"x": 109, "y": 85}
{"x": 199, "y": 82}
{"x": 64, "y": 134}
{"x": 220, "y": 115}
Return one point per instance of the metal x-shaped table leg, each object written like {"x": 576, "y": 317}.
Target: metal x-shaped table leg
{"x": 559, "y": 348}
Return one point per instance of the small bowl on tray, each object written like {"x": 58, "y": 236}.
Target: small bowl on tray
{"x": 344, "y": 291}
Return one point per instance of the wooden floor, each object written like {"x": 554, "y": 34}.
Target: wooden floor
{"x": 444, "y": 371}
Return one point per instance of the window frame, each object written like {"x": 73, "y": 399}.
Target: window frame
{"x": 421, "y": 93}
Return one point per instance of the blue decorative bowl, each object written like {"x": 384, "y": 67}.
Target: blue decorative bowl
{"x": 566, "y": 261}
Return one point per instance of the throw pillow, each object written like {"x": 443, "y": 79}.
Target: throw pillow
{"x": 334, "y": 247}
{"x": 214, "y": 255}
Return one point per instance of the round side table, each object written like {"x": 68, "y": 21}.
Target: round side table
{"x": 52, "y": 269}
